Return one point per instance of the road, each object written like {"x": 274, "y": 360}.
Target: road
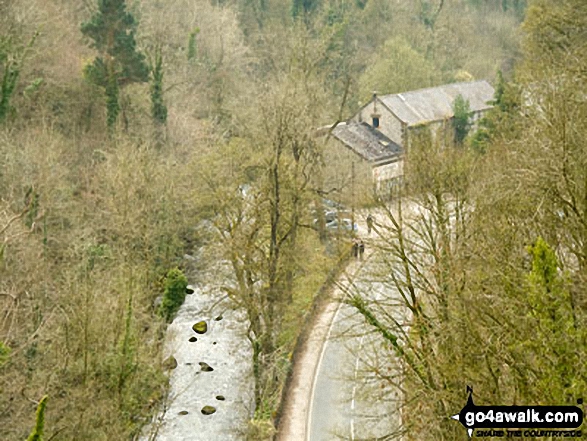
{"x": 348, "y": 402}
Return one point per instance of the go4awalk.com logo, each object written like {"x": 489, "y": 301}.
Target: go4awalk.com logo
{"x": 520, "y": 421}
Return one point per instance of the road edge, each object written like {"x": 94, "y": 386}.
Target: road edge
{"x": 294, "y": 408}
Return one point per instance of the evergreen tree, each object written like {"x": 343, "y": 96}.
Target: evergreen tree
{"x": 505, "y": 98}
{"x": 303, "y": 7}
{"x": 499, "y": 90}
{"x": 158, "y": 108}
{"x": 7, "y": 84}
{"x": 462, "y": 116}
{"x": 112, "y": 31}
{"x": 37, "y": 433}
{"x": 500, "y": 120}
{"x": 552, "y": 318}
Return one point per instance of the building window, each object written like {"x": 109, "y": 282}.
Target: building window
{"x": 376, "y": 122}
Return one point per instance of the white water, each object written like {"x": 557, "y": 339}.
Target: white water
{"x": 226, "y": 349}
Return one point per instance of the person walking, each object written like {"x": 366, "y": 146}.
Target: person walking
{"x": 361, "y": 249}
{"x": 370, "y": 221}
{"x": 355, "y": 248}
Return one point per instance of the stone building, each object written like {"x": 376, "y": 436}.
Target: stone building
{"x": 367, "y": 151}
{"x": 398, "y": 114}
{"x": 358, "y": 160}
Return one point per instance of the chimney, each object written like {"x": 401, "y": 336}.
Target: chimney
{"x": 375, "y": 116}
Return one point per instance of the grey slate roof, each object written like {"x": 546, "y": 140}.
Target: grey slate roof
{"x": 435, "y": 103}
{"x": 367, "y": 142}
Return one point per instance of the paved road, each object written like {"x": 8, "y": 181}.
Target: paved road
{"x": 349, "y": 403}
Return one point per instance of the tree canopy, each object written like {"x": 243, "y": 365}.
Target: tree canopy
{"x": 112, "y": 32}
{"x": 397, "y": 68}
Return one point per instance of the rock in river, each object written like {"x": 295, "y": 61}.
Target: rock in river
{"x": 200, "y": 327}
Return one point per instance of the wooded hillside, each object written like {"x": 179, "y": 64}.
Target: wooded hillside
{"x": 126, "y": 124}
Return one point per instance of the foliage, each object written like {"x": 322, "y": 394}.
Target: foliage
{"x": 112, "y": 91}
{"x": 158, "y": 108}
{"x": 546, "y": 287}
{"x": 456, "y": 246}
{"x": 499, "y": 121}
{"x": 112, "y": 31}
{"x": 101, "y": 249}
{"x": 461, "y": 118}
{"x": 429, "y": 12}
{"x": 498, "y": 99}
{"x": 553, "y": 317}
{"x": 32, "y": 201}
{"x": 12, "y": 58}
{"x": 260, "y": 430}
{"x": 192, "y": 44}
{"x": 302, "y": 8}
{"x": 4, "y": 353}
{"x": 481, "y": 137}
{"x": 106, "y": 216}
{"x": 518, "y": 7}
{"x": 397, "y": 68}
{"x": 174, "y": 293}
{"x": 9, "y": 80}
{"x": 37, "y": 433}
{"x": 553, "y": 34}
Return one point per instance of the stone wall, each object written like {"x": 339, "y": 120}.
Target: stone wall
{"x": 389, "y": 125}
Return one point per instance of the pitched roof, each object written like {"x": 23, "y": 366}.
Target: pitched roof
{"x": 367, "y": 142}
{"x": 435, "y": 103}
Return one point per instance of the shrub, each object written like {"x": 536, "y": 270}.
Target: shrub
{"x": 174, "y": 294}
{"x": 4, "y": 353}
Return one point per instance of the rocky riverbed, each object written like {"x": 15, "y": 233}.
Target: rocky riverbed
{"x": 211, "y": 386}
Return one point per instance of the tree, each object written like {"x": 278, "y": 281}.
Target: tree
{"x": 262, "y": 194}
{"x": 554, "y": 37}
{"x": 498, "y": 97}
{"x": 158, "y": 108}
{"x": 37, "y": 433}
{"x": 303, "y": 8}
{"x": 119, "y": 63}
{"x": 259, "y": 225}
{"x": 421, "y": 247}
{"x": 501, "y": 120}
{"x": 552, "y": 316}
{"x": 553, "y": 124}
{"x": 461, "y": 119}
{"x": 12, "y": 57}
{"x": 397, "y": 68}
{"x": 429, "y": 13}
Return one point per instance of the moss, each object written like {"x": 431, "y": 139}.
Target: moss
{"x": 200, "y": 327}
